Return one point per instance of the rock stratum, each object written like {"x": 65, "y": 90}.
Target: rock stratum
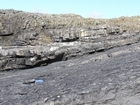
{"x": 105, "y": 78}
{"x": 18, "y": 28}
{"x": 104, "y": 71}
{"x": 33, "y": 39}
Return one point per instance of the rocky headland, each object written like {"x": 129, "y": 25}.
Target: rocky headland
{"x": 104, "y": 59}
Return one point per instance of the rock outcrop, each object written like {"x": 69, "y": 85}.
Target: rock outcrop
{"x": 17, "y": 57}
{"x": 34, "y": 39}
{"x": 105, "y": 78}
{"x": 110, "y": 76}
{"x": 20, "y": 28}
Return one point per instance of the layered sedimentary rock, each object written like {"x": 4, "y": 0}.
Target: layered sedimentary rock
{"x": 105, "y": 78}
{"x": 22, "y": 28}
{"x": 34, "y": 39}
{"x": 17, "y": 57}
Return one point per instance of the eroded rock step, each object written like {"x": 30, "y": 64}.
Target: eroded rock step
{"x": 17, "y": 57}
{"x": 105, "y": 78}
{"x": 35, "y": 39}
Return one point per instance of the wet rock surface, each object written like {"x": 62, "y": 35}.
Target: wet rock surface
{"x": 105, "y": 78}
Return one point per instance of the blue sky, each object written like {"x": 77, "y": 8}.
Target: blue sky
{"x": 85, "y": 8}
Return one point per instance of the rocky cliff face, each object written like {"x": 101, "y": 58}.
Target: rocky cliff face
{"x": 60, "y": 37}
{"x": 110, "y": 76}
{"x": 22, "y": 28}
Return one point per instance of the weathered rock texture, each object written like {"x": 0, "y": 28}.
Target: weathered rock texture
{"x": 22, "y": 28}
{"x": 108, "y": 77}
{"x": 16, "y": 57}
{"x": 27, "y": 39}
{"x": 105, "y": 78}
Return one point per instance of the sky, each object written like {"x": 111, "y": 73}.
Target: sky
{"x": 85, "y": 8}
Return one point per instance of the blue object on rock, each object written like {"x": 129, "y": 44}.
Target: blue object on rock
{"x": 39, "y": 81}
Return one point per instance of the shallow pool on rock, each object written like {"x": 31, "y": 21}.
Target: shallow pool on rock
{"x": 39, "y": 81}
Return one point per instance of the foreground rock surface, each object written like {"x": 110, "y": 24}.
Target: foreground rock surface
{"x": 105, "y": 78}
